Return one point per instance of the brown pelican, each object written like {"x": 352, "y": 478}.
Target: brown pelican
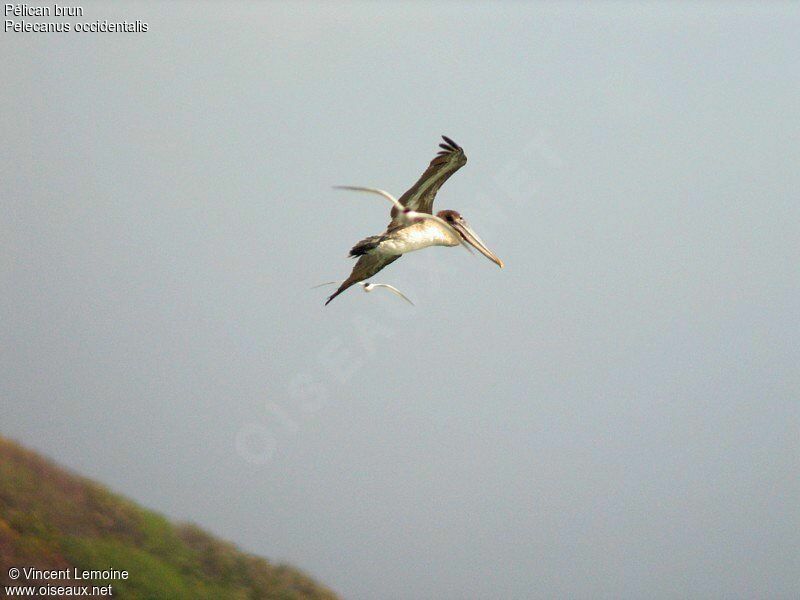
{"x": 413, "y": 225}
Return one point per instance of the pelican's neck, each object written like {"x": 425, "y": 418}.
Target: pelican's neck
{"x": 440, "y": 234}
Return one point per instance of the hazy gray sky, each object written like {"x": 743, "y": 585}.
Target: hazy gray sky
{"x": 613, "y": 415}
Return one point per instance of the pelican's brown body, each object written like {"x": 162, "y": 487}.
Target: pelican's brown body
{"x": 378, "y": 251}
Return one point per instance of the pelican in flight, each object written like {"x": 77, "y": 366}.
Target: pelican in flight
{"x": 413, "y": 225}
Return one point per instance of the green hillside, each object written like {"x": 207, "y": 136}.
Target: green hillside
{"x": 53, "y": 519}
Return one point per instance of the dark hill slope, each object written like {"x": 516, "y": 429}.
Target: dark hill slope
{"x": 53, "y": 519}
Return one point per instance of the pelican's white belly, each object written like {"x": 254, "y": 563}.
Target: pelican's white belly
{"x": 415, "y": 237}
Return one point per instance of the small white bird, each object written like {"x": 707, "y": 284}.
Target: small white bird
{"x": 368, "y": 287}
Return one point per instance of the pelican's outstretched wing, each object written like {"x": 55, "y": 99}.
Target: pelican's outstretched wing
{"x": 366, "y": 266}
{"x": 421, "y": 195}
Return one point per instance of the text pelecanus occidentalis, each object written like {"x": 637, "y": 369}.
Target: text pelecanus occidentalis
{"x": 413, "y": 225}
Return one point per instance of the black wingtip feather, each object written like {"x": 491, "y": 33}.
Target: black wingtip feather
{"x": 451, "y": 142}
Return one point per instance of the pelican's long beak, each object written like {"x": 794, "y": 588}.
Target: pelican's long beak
{"x": 472, "y": 238}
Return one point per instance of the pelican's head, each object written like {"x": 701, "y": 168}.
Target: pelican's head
{"x": 459, "y": 223}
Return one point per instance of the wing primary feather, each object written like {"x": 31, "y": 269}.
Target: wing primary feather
{"x": 446, "y": 147}
{"x": 451, "y": 142}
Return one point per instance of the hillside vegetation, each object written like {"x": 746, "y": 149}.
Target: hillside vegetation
{"x": 53, "y": 519}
